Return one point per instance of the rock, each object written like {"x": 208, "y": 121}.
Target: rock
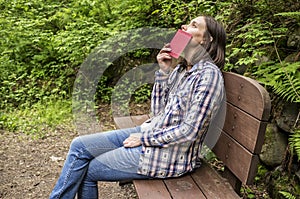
{"x": 261, "y": 60}
{"x": 274, "y": 147}
{"x": 294, "y": 57}
{"x": 286, "y": 120}
{"x": 241, "y": 69}
{"x": 294, "y": 39}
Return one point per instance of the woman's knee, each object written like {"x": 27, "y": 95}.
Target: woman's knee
{"x": 76, "y": 144}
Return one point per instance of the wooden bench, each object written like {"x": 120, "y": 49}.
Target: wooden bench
{"x": 248, "y": 107}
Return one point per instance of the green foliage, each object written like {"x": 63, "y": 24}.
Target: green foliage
{"x": 258, "y": 41}
{"x": 131, "y": 14}
{"x": 254, "y": 38}
{"x": 44, "y": 42}
{"x": 294, "y": 141}
{"x": 256, "y": 29}
{"x": 258, "y": 190}
{"x": 287, "y": 195}
{"x": 143, "y": 93}
{"x": 125, "y": 92}
{"x": 173, "y": 14}
{"x": 135, "y": 93}
{"x": 295, "y": 15}
{"x": 283, "y": 77}
{"x": 38, "y": 119}
{"x": 261, "y": 173}
{"x": 247, "y": 192}
{"x": 283, "y": 181}
{"x": 104, "y": 92}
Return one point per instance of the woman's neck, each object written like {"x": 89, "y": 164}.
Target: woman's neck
{"x": 189, "y": 67}
{"x": 188, "y": 57}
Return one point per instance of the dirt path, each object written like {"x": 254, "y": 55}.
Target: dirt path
{"x": 30, "y": 167}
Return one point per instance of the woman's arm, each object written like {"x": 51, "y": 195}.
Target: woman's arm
{"x": 207, "y": 96}
{"x": 159, "y": 92}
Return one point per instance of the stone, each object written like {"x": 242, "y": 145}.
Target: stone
{"x": 261, "y": 60}
{"x": 294, "y": 39}
{"x": 286, "y": 120}
{"x": 294, "y": 57}
{"x": 274, "y": 147}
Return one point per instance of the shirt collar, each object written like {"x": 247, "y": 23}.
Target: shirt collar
{"x": 197, "y": 66}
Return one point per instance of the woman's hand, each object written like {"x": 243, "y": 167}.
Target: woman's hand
{"x": 164, "y": 59}
{"x": 134, "y": 140}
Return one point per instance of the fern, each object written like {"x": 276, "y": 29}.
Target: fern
{"x": 287, "y": 195}
{"x": 250, "y": 43}
{"x": 295, "y": 15}
{"x": 294, "y": 141}
{"x": 283, "y": 77}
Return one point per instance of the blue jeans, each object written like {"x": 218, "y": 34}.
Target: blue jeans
{"x": 97, "y": 157}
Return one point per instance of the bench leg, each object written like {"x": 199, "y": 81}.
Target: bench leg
{"x": 233, "y": 180}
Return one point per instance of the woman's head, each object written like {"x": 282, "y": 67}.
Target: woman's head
{"x": 210, "y": 35}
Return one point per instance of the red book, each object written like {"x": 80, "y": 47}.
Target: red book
{"x": 179, "y": 42}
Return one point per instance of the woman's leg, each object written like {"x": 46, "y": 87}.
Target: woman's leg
{"x": 119, "y": 164}
{"x": 83, "y": 149}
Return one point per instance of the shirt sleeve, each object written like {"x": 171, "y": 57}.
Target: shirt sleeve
{"x": 206, "y": 97}
{"x": 159, "y": 92}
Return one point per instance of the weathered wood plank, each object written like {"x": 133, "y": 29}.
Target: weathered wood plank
{"x": 248, "y": 95}
{"x": 238, "y": 159}
{"x": 124, "y": 122}
{"x": 151, "y": 189}
{"x": 244, "y": 128}
{"x": 139, "y": 119}
{"x": 212, "y": 184}
{"x": 184, "y": 187}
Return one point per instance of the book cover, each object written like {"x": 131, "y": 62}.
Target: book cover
{"x": 179, "y": 42}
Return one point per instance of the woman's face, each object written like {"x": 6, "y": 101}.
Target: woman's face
{"x": 197, "y": 28}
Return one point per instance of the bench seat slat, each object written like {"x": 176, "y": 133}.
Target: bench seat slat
{"x": 155, "y": 189}
{"x": 212, "y": 184}
{"x": 183, "y": 187}
{"x": 124, "y": 122}
{"x": 139, "y": 119}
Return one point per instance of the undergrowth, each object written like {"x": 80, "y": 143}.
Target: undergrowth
{"x": 40, "y": 118}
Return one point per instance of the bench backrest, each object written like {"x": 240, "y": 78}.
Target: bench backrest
{"x": 247, "y": 113}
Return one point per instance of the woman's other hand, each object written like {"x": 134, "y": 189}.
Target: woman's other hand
{"x": 134, "y": 140}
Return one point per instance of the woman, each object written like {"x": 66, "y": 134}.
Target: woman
{"x": 184, "y": 100}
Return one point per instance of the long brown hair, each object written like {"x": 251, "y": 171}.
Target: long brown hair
{"x": 216, "y": 48}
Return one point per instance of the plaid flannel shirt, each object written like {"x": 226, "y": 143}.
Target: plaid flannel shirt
{"x": 182, "y": 105}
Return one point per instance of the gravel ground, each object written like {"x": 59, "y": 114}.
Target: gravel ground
{"x": 29, "y": 167}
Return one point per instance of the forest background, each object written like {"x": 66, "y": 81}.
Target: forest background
{"x": 44, "y": 42}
